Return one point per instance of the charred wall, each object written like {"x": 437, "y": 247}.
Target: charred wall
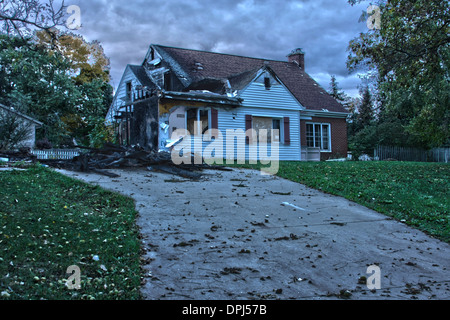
{"x": 144, "y": 126}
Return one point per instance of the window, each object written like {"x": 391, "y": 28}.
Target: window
{"x": 167, "y": 81}
{"x": 197, "y": 121}
{"x": 191, "y": 117}
{"x": 204, "y": 119}
{"x": 318, "y": 136}
{"x": 273, "y": 127}
{"x": 267, "y": 83}
{"x": 128, "y": 91}
{"x": 276, "y": 125}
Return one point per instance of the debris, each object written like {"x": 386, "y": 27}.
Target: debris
{"x": 215, "y": 228}
{"x": 281, "y": 193}
{"x": 279, "y": 291}
{"x": 257, "y": 224}
{"x": 232, "y": 270}
{"x": 341, "y": 224}
{"x": 292, "y": 205}
{"x": 291, "y": 237}
{"x": 112, "y": 156}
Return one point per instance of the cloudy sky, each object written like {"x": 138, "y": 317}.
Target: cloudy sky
{"x": 258, "y": 28}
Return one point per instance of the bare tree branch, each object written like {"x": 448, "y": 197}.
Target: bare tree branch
{"x": 21, "y": 17}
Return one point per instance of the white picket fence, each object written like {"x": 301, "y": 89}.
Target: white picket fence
{"x": 56, "y": 154}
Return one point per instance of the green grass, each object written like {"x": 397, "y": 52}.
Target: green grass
{"x": 49, "y": 222}
{"x": 415, "y": 193}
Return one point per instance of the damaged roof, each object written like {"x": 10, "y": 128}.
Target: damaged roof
{"x": 196, "y": 67}
{"x": 141, "y": 75}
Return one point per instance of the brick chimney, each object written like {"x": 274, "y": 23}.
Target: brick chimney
{"x": 297, "y": 56}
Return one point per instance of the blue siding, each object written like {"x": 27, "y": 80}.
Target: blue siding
{"x": 235, "y": 119}
{"x": 277, "y": 102}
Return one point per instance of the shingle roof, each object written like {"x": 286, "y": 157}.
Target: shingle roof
{"x": 141, "y": 75}
{"x": 198, "y": 65}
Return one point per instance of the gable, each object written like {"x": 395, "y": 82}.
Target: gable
{"x": 267, "y": 91}
{"x": 133, "y": 75}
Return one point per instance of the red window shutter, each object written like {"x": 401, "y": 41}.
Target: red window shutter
{"x": 248, "y": 126}
{"x": 214, "y": 119}
{"x": 287, "y": 131}
{"x": 214, "y": 123}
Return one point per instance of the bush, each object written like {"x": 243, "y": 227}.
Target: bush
{"x": 43, "y": 144}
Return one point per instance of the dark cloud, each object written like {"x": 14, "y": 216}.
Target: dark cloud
{"x": 261, "y": 28}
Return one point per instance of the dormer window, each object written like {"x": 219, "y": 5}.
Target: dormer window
{"x": 267, "y": 83}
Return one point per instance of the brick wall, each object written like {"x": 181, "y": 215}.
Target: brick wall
{"x": 339, "y": 144}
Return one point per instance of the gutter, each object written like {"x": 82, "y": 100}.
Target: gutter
{"x": 201, "y": 97}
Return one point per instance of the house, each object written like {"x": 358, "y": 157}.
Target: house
{"x": 182, "y": 89}
{"x": 24, "y": 127}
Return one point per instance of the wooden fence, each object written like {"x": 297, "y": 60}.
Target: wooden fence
{"x": 412, "y": 154}
{"x": 56, "y": 154}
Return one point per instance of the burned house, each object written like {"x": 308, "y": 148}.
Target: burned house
{"x": 207, "y": 94}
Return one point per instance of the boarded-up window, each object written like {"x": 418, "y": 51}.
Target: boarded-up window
{"x": 271, "y": 126}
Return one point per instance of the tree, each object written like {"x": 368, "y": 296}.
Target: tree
{"x": 43, "y": 82}
{"x": 90, "y": 70}
{"x": 365, "y": 111}
{"x": 88, "y": 60}
{"x": 38, "y": 83}
{"x": 335, "y": 91}
{"x": 13, "y": 130}
{"x": 20, "y": 17}
{"x": 410, "y": 57}
{"x": 362, "y": 127}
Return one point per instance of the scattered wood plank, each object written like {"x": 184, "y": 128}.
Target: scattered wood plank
{"x": 111, "y": 156}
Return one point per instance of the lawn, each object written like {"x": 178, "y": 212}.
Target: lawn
{"x": 49, "y": 222}
{"x": 412, "y": 192}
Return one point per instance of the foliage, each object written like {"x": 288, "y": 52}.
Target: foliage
{"x": 49, "y": 222}
{"x": 410, "y": 55}
{"x": 45, "y": 84}
{"x": 362, "y": 127}
{"x": 13, "y": 130}
{"x": 87, "y": 59}
{"x": 335, "y": 91}
{"x": 101, "y": 134}
{"x": 43, "y": 144}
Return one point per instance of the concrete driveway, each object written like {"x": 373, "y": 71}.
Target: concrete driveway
{"x": 241, "y": 235}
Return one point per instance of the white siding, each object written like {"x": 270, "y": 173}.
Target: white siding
{"x": 128, "y": 76}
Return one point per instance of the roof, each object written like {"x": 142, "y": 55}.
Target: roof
{"x": 10, "y": 109}
{"x": 194, "y": 66}
{"x": 141, "y": 75}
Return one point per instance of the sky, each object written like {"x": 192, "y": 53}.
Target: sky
{"x": 268, "y": 29}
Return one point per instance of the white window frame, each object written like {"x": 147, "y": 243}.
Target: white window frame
{"x": 198, "y": 121}
{"x": 321, "y": 124}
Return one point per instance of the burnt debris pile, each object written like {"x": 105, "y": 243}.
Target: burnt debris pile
{"x": 111, "y": 156}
